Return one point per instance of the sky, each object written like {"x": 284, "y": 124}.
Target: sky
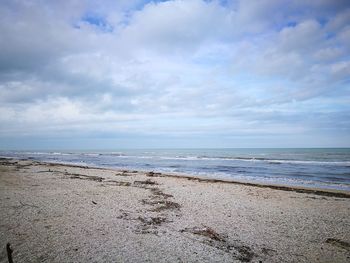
{"x": 174, "y": 74}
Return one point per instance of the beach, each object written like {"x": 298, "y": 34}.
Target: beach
{"x": 65, "y": 213}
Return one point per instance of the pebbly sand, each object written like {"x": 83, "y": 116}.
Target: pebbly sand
{"x": 61, "y": 213}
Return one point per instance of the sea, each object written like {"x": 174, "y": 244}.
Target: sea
{"x": 327, "y": 168}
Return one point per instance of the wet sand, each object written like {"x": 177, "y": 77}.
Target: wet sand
{"x": 64, "y": 213}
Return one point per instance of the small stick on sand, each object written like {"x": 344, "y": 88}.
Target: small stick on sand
{"x": 9, "y": 252}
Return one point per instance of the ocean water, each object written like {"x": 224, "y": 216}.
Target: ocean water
{"x": 322, "y": 168}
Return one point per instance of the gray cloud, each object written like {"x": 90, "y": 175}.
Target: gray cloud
{"x": 174, "y": 67}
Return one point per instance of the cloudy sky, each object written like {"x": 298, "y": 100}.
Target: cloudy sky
{"x": 180, "y": 73}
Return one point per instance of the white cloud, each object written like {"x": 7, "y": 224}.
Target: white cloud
{"x": 341, "y": 70}
{"x": 303, "y": 37}
{"x": 174, "y": 26}
{"x": 329, "y": 53}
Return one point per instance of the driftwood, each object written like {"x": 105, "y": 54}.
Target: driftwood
{"x": 9, "y": 252}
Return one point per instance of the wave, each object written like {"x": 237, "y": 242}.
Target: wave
{"x": 151, "y": 155}
{"x": 60, "y": 153}
{"x": 229, "y": 158}
{"x": 342, "y": 163}
{"x": 40, "y": 153}
{"x": 259, "y": 159}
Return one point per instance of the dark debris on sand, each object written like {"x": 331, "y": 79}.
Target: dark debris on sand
{"x": 146, "y": 182}
{"x": 152, "y": 220}
{"x": 239, "y": 251}
{"x": 159, "y": 193}
{"x": 123, "y": 173}
{"x": 204, "y": 231}
{"x": 153, "y": 174}
{"x": 161, "y": 205}
{"x": 85, "y": 177}
{"x": 338, "y": 243}
{"x": 118, "y": 183}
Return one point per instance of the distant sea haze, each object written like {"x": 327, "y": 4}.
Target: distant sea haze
{"x": 327, "y": 168}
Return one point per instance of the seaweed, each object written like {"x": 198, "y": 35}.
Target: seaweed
{"x": 158, "y": 193}
{"x": 146, "y": 182}
{"x": 85, "y": 177}
{"x": 123, "y": 173}
{"x": 204, "y": 231}
{"x": 165, "y": 204}
{"x": 338, "y": 243}
{"x": 240, "y": 251}
{"x": 152, "y": 220}
{"x": 118, "y": 183}
{"x": 153, "y": 174}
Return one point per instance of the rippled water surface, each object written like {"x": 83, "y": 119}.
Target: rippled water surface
{"x": 324, "y": 168}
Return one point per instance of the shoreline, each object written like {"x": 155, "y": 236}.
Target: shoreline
{"x": 282, "y": 187}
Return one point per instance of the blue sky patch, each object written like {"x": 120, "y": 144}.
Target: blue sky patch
{"x": 98, "y": 21}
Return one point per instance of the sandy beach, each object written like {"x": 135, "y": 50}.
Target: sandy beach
{"x": 64, "y": 213}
